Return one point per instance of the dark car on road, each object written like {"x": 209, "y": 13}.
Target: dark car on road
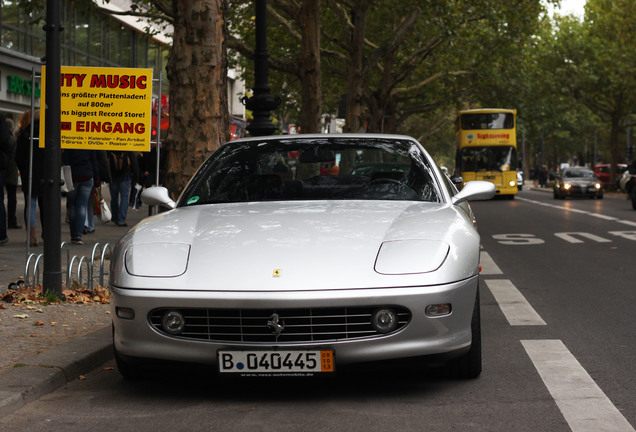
{"x": 577, "y": 182}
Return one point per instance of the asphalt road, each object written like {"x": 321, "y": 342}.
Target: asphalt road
{"x": 558, "y": 300}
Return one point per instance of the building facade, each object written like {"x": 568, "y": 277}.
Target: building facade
{"x": 88, "y": 39}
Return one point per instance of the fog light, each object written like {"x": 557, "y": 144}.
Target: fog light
{"x": 438, "y": 310}
{"x": 173, "y": 322}
{"x": 384, "y": 320}
{"x": 125, "y": 313}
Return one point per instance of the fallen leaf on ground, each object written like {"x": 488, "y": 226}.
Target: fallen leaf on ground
{"x": 108, "y": 368}
{"x": 82, "y": 377}
{"x": 21, "y": 316}
{"x": 38, "y": 323}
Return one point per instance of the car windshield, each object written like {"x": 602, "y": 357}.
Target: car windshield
{"x": 290, "y": 169}
{"x": 578, "y": 173}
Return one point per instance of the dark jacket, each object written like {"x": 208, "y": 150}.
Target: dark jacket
{"x": 22, "y": 155}
{"x": 124, "y": 164}
{"x": 104, "y": 166}
{"x": 83, "y": 164}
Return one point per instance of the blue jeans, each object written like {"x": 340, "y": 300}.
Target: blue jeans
{"x": 3, "y": 212}
{"x": 77, "y": 201}
{"x": 34, "y": 204}
{"x": 90, "y": 216}
{"x": 119, "y": 191}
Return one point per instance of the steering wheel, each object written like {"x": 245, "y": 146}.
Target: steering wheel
{"x": 381, "y": 180}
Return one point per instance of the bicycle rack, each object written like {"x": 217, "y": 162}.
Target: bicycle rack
{"x": 36, "y": 258}
{"x": 32, "y": 266}
{"x": 104, "y": 249}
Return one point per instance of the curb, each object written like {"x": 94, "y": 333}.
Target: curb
{"x": 52, "y": 369}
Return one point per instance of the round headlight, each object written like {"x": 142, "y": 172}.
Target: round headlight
{"x": 512, "y": 183}
{"x": 384, "y": 320}
{"x": 173, "y": 322}
{"x": 567, "y": 186}
{"x": 597, "y": 185}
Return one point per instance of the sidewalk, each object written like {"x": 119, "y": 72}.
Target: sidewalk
{"x": 44, "y": 347}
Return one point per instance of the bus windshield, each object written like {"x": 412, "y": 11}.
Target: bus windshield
{"x": 499, "y": 158}
{"x": 487, "y": 121}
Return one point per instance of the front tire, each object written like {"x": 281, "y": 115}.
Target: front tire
{"x": 468, "y": 366}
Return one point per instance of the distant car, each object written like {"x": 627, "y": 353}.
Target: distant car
{"x": 577, "y": 182}
{"x": 520, "y": 180}
{"x": 602, "y": 171}
{"x": 256, "y": 273}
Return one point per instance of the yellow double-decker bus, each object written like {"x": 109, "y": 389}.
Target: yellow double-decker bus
{"x": 487, "y": 148}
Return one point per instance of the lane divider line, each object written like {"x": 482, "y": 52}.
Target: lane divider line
{"x": 488, "y": 266}
{"x": 513, "y": 304}
{"x": 581, "y": 401}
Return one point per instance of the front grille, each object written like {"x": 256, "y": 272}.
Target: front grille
{"x": 300, "y": 325}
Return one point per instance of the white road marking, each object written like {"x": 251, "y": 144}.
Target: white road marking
{"x": 561, "y": 207}
{"x": 582, "y": 403}
{"x": 569, "y": 237}
{"x": 488, "y": 266}
{"x": 513, "y": 304}
{"x": 601, "y": 216}
{"x": 629, "y": 235}
{"x": 518, "y": 239}
{"x": 626, "y": 222}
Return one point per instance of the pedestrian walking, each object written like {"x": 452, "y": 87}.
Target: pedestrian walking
{"x": 104, "y": 177}
{"x": 85, "y": 171}
{"x": 11, "y": 180}
{"x": 125, "y": 172}
{"x": 31, "y": 179}
{"x": 5, "y": 157}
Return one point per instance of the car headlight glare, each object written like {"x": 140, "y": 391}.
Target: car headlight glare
{"x": 512, "y": 183}
{"x": 384, "y": 320}
{"x": 173, "y": 322}
{"x": 567, "y": 186}
{"x": 597, "y": 185}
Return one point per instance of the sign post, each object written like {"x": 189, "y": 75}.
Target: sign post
{"x": 86, "y": 108}
{"x": 52, "y": 274}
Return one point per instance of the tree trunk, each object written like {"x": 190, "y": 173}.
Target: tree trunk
{"x": 613, "y": 146}
{"x": 355, "y": 77}
{"x": 197, "y": 70}
{"x": 310, "y": 67}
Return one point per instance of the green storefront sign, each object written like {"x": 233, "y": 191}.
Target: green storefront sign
{"x": 21, "y": 86}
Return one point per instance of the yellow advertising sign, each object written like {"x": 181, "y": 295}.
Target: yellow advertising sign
{"x": 103, "y": 108}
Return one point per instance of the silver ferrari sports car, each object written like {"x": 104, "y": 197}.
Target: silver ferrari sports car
{"x": 285, "y": 255}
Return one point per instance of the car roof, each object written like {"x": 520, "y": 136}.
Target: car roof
{"x": 322, "y": 136}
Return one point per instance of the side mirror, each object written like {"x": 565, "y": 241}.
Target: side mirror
{"x": 157, "y": 196}
{"x": 473, "y": 191}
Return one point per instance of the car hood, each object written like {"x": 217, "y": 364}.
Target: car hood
{"x": 580, "y": 180}
{"x": 310, "y": 245}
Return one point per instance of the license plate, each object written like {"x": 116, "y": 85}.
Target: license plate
{"x": 276, "y": 363}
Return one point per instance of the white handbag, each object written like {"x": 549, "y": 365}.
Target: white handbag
{"x": 67, "y": 179}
